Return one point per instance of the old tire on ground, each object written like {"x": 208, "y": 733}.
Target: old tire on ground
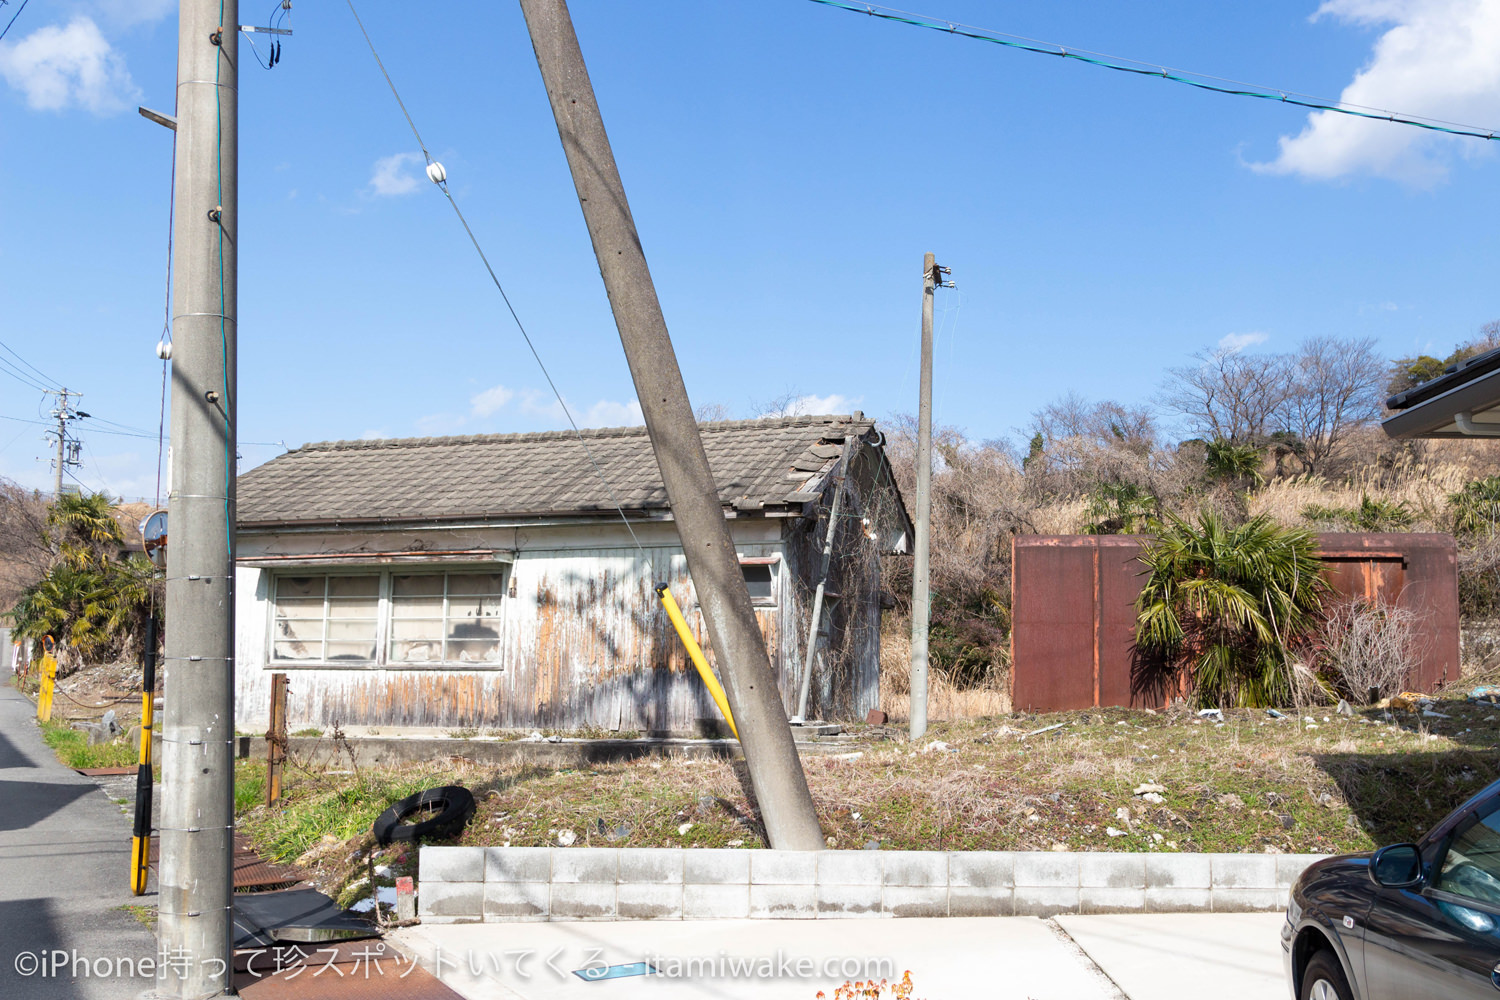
{"x": 1324, "y": 978}
{"x": 454, "y": 806}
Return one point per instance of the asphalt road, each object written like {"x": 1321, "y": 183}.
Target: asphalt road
{"x": 64, "y": 874}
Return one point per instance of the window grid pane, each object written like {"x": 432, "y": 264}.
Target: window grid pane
{"x": 428, "y": 618}
{"x": 327, "y": 618}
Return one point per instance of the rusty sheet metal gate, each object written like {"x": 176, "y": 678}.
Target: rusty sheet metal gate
{"x": 1073, "y": 608}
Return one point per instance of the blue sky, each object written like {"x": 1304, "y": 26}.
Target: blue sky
{"x": 787, "y": 164}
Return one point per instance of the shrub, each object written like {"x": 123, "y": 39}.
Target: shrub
{"x": 1369, "y": 646}
{"x": 1372, "y": 514}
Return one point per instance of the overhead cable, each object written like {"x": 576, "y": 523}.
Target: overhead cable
{"x": 438, "y": 176}
{"x": 43, "y": 376}
{"x": 13, "y": 18}
{"x": 1201, "y": 81}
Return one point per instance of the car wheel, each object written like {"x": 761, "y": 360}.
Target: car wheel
{"x": 1323, "y": 979}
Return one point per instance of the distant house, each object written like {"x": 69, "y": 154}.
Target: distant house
{"x": 490, "y": 581}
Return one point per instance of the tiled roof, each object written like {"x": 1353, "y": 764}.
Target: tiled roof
{"x": 756, "y": 464}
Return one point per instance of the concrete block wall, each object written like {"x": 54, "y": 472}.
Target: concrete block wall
{"x": 497, "y": 884}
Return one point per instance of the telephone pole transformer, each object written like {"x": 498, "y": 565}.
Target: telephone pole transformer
{"x": 195, "y": 930}
{"x": 776, "y": 774}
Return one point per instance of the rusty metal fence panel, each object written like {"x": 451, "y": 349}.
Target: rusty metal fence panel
{"x": 1073, "y": 609}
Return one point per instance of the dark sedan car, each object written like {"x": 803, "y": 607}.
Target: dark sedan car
{"x": 1409, "y": 922}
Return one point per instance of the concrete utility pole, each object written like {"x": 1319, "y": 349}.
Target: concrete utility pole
{"x": 197, "y": 811}
{"x": 62, "y": 461}
{"x": 921, "y": 597}
{"x": 62, "y": 440}
{"x": 775, "y": 771}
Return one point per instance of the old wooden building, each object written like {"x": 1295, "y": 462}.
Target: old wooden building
{"x": 491, "y": 582}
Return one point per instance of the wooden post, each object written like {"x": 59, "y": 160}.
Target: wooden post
{"x": 276, "y": 739}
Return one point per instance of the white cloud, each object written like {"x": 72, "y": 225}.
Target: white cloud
{"x": 606, "y": 413}
{"x": 535, "y": 403}
{"x": 819, "y": 405}
{"x": 1240, "y": 341}
{"x": 127, "y": 12}
{"x": 390, "y": 177}
{"x": 489, "y": 401}
{"x": 57, "y": 68}
{"x": 1436, "y": 58}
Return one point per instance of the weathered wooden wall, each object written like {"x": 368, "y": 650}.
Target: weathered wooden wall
{"x": 585, "y": 642}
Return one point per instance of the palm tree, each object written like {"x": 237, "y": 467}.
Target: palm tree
{"x": 1119, "y": 509}
{"x": 1476, "y": 507}
{"x": 90, "y": 601}
{"x": 86, "y": 530}
{"x": 1232, "y": 462}
{"x": 1223, "y": 607}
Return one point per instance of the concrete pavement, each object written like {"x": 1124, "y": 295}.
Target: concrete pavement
{"x": 64, "y": 874}
{"x": 1129, "y": 957}
{"x": 1167, "y": 956}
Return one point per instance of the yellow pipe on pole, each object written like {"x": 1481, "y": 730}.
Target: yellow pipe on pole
{"x": 140, "y": 841}
{"x": 49, "y": 680}
{"x": 695, "y": 653}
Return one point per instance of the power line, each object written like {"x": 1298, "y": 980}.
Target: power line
{"x": 13, "y": 18}
{"x": 439, "y": 177}
{"x": 43, "y": 376}
{"x": 1201, "y": 81}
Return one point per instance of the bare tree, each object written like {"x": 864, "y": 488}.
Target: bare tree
{"x": 1336, "y": 387}
{"x": 1230, "y": 395}
{"x": 1105, "y": 424}
{"x": 706, "y": 413}
{"x": 25, "y": 552}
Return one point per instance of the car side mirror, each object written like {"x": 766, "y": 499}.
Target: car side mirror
{"x": 1398, "y": 866}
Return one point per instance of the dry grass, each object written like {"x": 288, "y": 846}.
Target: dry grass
{"x": 945, "y": 701}
{"x": 1422, "y": 489}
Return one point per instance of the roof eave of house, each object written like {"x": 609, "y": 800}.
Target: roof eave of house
{"x": 496, "y": 520}
{"x": 1442, "y": 415}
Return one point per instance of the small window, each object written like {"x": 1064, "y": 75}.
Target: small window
{"x": 760, "y": 580}
{"x": 326, "y": 618}
{"x": 446, "y": 617}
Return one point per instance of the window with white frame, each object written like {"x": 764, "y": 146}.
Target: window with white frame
{"x": 326, "y": 619}
{"x": 392, "y": 617}
{"x": 446, "y": 617}
{"x": 760, "y": 579}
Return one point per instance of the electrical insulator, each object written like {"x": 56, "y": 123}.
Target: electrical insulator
{"x": 436, "y": 173}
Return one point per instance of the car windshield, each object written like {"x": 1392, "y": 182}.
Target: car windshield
{"x": 1471, "y": 867}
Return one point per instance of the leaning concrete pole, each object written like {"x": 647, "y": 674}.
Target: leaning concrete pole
{"x": 775, "y": 771}
{"x": 197, "y": 814}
